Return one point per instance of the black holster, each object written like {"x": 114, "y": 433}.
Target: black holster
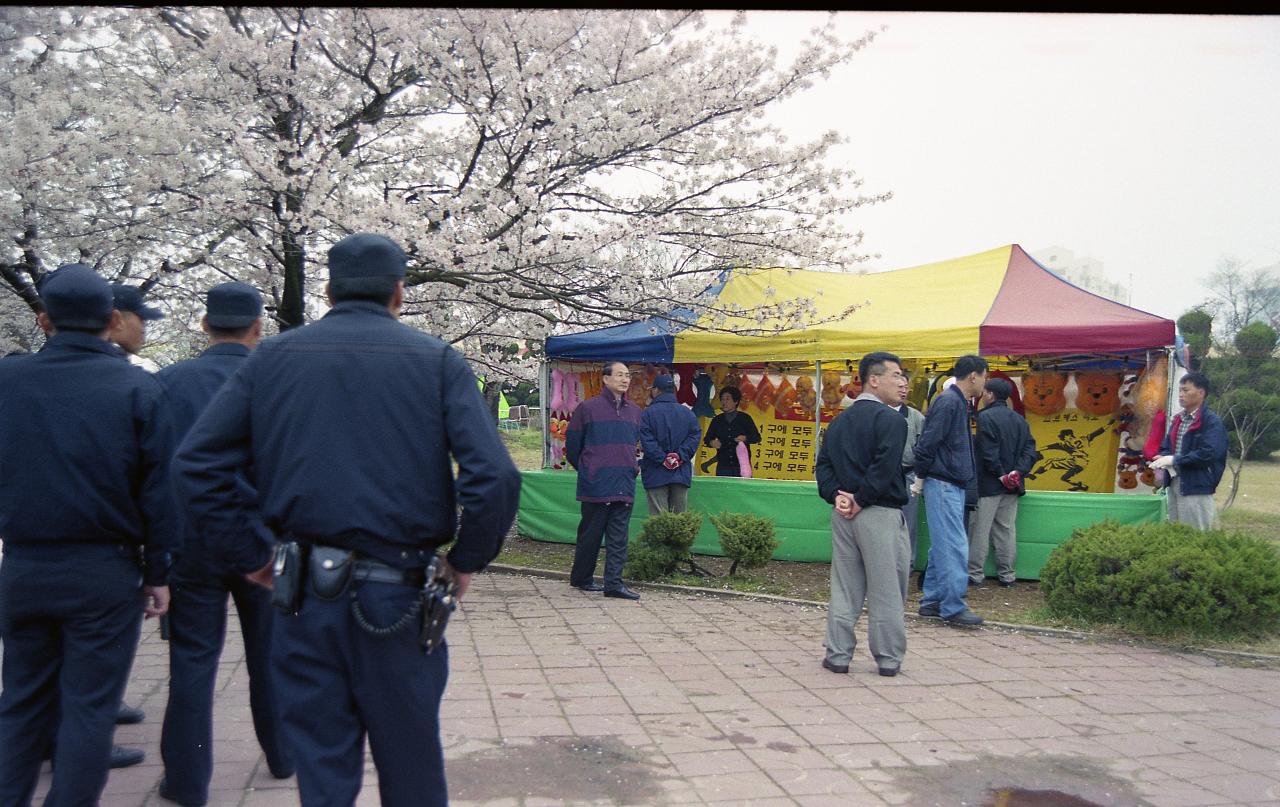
{"x": 439, "y": 600}
{"x": 287, "y": 576}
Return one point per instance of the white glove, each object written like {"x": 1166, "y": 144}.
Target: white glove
{"x": 917, "y": 487}
{"x": 1161, "y": 462}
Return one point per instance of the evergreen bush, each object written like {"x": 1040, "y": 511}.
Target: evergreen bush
{"x": 746, "y": 538}
{"x": 663, "y": 544}
{"x": 1163, "y": 579}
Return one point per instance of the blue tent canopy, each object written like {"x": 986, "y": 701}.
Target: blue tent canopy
{"x": 649, "y": 340}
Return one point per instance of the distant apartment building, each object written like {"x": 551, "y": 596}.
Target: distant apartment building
{"x": 1085, "y": 272}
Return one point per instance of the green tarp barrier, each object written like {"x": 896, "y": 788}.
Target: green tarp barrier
{"x": 549, "y": 512}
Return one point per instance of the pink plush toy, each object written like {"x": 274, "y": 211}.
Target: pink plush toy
{"x": 744, "y": 461}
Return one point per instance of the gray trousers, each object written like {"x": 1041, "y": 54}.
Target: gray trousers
{"x": 992, "y": 524}
{"x": 868, "y": 564}
{"x": 667, "y": 498}
{"x": 1198, "y": 510}
{"x": 911, "y": 510}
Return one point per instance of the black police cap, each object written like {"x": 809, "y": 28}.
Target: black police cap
{"x": 366, "y": 255}
{"x": 75, "y": 296}
{"x": 232, "y": 305}
{"x": 129, "y": 298}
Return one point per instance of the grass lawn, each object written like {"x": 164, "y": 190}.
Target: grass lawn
{"x": 1256, "y": 509}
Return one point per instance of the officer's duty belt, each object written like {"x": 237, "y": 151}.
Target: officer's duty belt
{"x": 372, "y": 571}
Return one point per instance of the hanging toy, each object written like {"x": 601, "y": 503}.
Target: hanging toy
{"x": 702, "y": 407}
{"x": 557, "y": 386}
{"x": 766, "y": 392}
{"x": 806, "y": 395}
{"x": 685, "y": 392}
{"x": 744, "y": 461}
{"x": 786, "y": 396}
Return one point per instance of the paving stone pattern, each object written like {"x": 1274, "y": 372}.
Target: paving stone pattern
{"x": 562, "y": 697}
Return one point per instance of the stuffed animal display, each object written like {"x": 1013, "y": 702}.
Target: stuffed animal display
{"x": 1043, "y": 393}
{"x": 1098, "y": 393}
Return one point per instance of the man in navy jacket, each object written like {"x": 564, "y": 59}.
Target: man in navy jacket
{"x": 200, "y": 586}
{"x": 669, "y": 436}
{"x": 601, "y": 444}
{"x": 86, "y": 516}
{"x": 1006, "y": 452}
{"x": 1194, "y": 453}
{"x": 351, "y": 426}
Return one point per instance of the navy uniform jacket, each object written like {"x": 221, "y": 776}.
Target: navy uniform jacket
{"x": 190, "y": 386}
{"x": 85, "y": 441}
{"x": 350, "y": 425}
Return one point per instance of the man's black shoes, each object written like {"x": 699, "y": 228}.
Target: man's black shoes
{"x": 128, "y": 715}
{"x": 1005, "y": 583}
{"x": 929, "y": 610}
{"x": 623, "y": 593}
{"x": 966, "y": 619}
{"x": 122, "y": 757}
{"x": 835, "y": 668}
{"x": 592, "y": 586}
{"x": 168, "y": 796}
{"x": 888, "y": 672}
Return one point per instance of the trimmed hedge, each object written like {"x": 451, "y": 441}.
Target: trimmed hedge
{"x": 663, "y": 544}
{"x": 746, "y": 538}
{"x": 1163, "y": 579}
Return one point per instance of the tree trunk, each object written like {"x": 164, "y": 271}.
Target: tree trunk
{"x": 492, "y": 397}
{"x": 292, "y": 300}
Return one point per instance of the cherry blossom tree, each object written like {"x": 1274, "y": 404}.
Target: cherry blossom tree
{"x": 545, "y": 170}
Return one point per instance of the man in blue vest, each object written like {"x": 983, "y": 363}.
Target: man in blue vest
{"x": 200, "y": 585}
{"x": 351, "y": 426}
{"x": 86, "y": 522}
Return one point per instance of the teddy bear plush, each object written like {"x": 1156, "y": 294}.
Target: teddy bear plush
{"x": 1042, "y": 393}
{"x": 1098, "y": 393}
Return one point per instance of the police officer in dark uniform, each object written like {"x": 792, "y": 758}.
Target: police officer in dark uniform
{"x": 87, "y": 516}
{"x": 199, "y": 586}
{"x": 351, "y": 425}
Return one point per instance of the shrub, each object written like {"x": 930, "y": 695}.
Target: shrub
{"x": 664, "y": 543}
{"x": 1163, "y": 579}
{"x": 746, "y": 538}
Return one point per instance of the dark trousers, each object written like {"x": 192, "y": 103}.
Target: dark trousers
{"x": 601, "y": 520}
{"x": 70, "y": 617}
{"x": 338, "y": 683}
{"x": 197, "y": 631}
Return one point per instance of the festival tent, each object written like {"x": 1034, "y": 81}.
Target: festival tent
{"x": 995, "y": 303}
{"x": 1000, "y": 304}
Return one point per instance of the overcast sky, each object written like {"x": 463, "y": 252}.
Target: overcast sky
{"x": 1148, "y": 142}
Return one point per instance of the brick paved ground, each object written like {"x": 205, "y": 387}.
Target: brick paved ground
{"x": 559, "y": 697}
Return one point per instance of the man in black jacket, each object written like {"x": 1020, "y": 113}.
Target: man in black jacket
{"x": 1006, "y": 453}
{"x": 859, "y": 471}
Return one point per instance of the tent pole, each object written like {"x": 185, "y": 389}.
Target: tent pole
{"x": 1172, "y": 396}
{"x": 817, "y": 407}
{"x": 544, "y": 389}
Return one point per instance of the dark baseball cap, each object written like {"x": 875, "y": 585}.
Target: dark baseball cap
{"x": 664, "y": 383}
{"x": 366, "y": 255}
{"x": 75, "y": 296}
{"x": 129, "y": 298}
{"x": 232, "y": 305}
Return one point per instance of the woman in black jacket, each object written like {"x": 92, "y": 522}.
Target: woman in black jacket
{"x": 727, "y": 429}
